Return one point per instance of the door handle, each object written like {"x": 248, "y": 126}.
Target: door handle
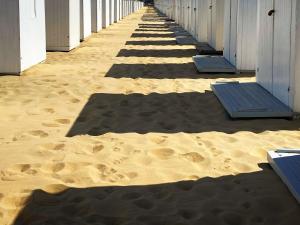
{"x": 271, "y": 12}
{"x": 210, "y": 7}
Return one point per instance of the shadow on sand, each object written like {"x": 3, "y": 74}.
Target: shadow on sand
{"x": 165, "y": 53}
{"x": 164, "y": 113}
{"x": 152, "y": 42}
{"x": 165, "y": 71}
{"x": 243, "y": 199}
{"x": 152, "y": 35}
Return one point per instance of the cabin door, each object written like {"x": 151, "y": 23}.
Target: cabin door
{"x": 274, "y": 47}
{"x": 230, "y": 30}
{"x": 210, "y": 23}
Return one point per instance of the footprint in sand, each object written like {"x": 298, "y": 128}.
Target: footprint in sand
{"x": 163, "y": 153}
{"x": 39, "y": 133}
{"x": 98, "y": 148}
{"x": 193, "y": 157}
{"x": 51, "y": 146}
{"x": 63, "y": 121}
{"x": 49, "y": 110}
{"x": 75, "y": 100}
{"x": 131, "y": 196}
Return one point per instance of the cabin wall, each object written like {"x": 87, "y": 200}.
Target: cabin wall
{"x": 202, "y": 20}
{"x": 62, "y": 24}
{"x": 96, "y": 14}
{"x": 116, "y": 10}
{"x": 9, "y": 39}
{"x": 295, "y": 62}
{"x": 32, "y": 32}
{"x": 111, "y": 11}
{"x": 85, "y": 19}
{"x": 105, "y": 13}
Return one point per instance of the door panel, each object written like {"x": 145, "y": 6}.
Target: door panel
{"x": 209, "y": 23}
{"x": 282, "y": 49}
{"x": 264, "y": 71}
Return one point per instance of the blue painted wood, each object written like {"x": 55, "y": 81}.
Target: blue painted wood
{"x": 213, "y": 64}
{"x": 287, "y": 166}
{"x": 185, "y": 40}
{"x": 249, "y": 100}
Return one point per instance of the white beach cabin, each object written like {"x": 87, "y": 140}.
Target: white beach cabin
{"x": 96, "y": 15}
{"x": 85, "y": 19}
{"x": 240, "y": 40}
{"x": 62, "y": 24}
{"x": 277, "y": 90}
{"x": 22, "y": 35}
{"x": 105, "y": 13}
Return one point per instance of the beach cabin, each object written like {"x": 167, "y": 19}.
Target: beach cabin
{"x": 22, "y": 35}
{"x": 276, "y": 92}
{"x": 85, "y": 19}
{"x": 62, "y": 24}
{"x": 240, "y": 40}
{"x": 116, "y": 10}
{"x": 96, "y": 15}
{"x": 278, "y": 51}
{"x": 111, "y": 11}
{"x": 105, "y": 13}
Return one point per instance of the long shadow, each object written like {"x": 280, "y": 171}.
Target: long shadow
{"x": 152, "y": 35}
{"x": 164, "y": 113}
{"x": 178, "y": 53}
{"x": 165, "y": 71}
{"x": 154, "y": 30}
{"x": 153, "y": 25}
{"x": 152, "y": 42}
{"x": 244, "y": 199}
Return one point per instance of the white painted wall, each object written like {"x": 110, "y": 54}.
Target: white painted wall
{"x": 96, "y": 15}
{"x": 111, "y": 11}
{"x": 116, "y": 10}
{"x": 202, "y": 20}
{"x": 85, "y": 19}
{"x": 105, "y": 13}
{"x": 216, "y": 24}
{"x": 22, "y": 35}
{"x": 62, "y": 24}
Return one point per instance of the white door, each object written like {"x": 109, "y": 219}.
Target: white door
{"x": 264, "y": 71}
{"x": 230, "y": 30}
{"x": 209, "y": 23}
{"x": 282, "y": 49}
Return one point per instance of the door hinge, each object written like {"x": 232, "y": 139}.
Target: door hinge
{"x": 257, "y": 69}
{"x": 289, "y": 89}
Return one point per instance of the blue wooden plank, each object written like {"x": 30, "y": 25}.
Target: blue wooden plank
{"x": 185, "y": 40}
{"x": 287, "y": 166}
{"x": 249, "y": 100}
{"x": 213, "y": 64}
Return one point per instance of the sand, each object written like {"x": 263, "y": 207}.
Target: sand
{"x": 123, "y": 130}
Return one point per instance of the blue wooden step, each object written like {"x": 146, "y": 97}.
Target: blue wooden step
{"x": 249, "y": 100}
{"x": 213, "y": 64}
{"x": 287, "y": 166}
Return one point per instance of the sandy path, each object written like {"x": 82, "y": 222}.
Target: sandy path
{"x": 131, "y": 134}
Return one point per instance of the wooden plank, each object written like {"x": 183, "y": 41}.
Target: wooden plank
{"x": 249, "y": 100}
{"x": 287, "y": 166}
{"x": 213, "y": 64}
